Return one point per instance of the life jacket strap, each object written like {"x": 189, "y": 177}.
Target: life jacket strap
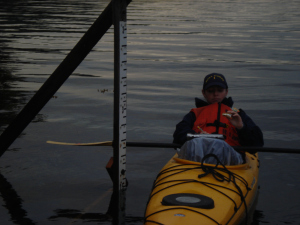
{"x": 217, "y": 123}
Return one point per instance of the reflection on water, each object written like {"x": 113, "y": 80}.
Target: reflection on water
{"x": 76, "y": 215}
{"x": 111, "y": 215}
{"x": 258, "y": 218}
{"x": 11, "y": 98}
{"x": 13, "y": 203}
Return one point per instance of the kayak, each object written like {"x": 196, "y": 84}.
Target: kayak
{"x": 188, "y": 192}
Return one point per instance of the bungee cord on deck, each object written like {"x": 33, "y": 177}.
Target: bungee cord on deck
{"x": 221, "y": 174}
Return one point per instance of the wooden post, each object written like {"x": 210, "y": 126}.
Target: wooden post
{"x": 120, "y": 106}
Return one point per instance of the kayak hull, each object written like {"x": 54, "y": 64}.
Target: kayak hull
{"x": 187, "y": 192}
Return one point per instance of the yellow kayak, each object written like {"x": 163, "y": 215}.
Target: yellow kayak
{"x": 188, "y": 192}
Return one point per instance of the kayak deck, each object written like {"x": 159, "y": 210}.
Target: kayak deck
{"x": 187, "y": 192}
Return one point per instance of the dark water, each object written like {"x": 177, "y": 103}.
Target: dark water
{"x": 172, "y": 45}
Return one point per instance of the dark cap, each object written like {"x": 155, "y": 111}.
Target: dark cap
{"x": 214, "y": 79}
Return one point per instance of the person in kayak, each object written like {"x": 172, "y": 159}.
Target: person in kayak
{"x": 216, "y": 116}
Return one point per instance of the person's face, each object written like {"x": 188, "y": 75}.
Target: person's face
{"x": 214, "y": 94}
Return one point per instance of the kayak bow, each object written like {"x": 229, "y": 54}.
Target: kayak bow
{"x": 187, "y": 192}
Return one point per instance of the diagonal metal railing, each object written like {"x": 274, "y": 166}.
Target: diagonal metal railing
{"x": 58, "y": 77}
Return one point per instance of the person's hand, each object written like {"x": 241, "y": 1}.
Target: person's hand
{"x": 202, "y": 131}
{"x": 235, "y": 119}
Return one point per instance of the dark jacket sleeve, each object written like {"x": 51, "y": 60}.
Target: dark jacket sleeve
{"x": 183, "y": 128}
{"x": 250, "y": 134}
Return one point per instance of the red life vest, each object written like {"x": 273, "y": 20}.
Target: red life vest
{"x": 210, "y": 119}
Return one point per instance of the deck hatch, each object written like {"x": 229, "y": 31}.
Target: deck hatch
{"x": 188, "y": 199}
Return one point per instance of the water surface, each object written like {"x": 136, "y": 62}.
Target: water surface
{"x": 172, "y": 45}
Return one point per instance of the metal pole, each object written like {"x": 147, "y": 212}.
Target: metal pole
{"x": 120, "y": 105}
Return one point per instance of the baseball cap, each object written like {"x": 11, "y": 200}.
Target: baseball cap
{"x": 214, "y": 79}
